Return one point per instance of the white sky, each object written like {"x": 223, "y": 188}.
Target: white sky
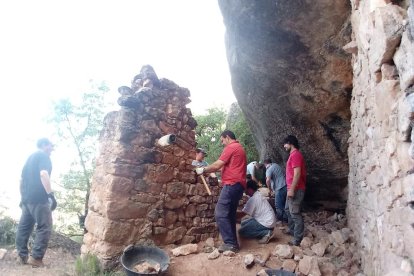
{"x": 51, "y": 49}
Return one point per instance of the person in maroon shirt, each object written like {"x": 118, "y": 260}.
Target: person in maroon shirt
{"x": 232, "y": 163}
{"x": 296, "y": 183}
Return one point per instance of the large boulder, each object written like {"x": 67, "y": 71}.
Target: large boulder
{"x": 290, "y": 75}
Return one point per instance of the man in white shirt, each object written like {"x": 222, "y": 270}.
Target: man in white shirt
{"x": 262, "y": 220}
{"x": 257, "y": 172}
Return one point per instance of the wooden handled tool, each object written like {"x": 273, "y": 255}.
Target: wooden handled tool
{"x": 205, "y": 184}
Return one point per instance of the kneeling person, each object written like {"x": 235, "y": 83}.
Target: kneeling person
{"x": 262, "y": 220}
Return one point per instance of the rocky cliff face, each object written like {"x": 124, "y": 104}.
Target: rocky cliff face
{"x": 381, "y": 195}
{"x": 290, "y": 75}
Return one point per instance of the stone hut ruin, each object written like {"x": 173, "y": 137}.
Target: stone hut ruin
{"x": 334, "y": 73}
{"x": 143, "y": 192}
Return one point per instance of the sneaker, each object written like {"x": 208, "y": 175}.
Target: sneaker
{"x": 22, "y": 260}
{"x": 294, "y": 242}
{"x": 227, "y": 247}
{"x": 266, "y": 238}
{"x": 35, "y": 262}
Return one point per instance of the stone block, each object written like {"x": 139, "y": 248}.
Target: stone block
{"x": 386, "y": 94}
{"x": 175, "y": 189}
{"x": 161, "y": 173}
{"x": 389, "y": 72}
{"x": 175, "y": 203}
{"x": 404, "y": 60}
{"x": 319, "y": 249}
{"x": 289, "y": 265}
{"x": 175, "y": 235}
{"x": 170, "y": 217}
{"x": 123, "y": 208}
{"x": 387, "y": 32}
{"x": 283, "y": 251}
{"x": 309, "y": 266}
{"x": 119, "y": 184}
{"x": 185, "y": 250}
{"x": 191, "y": 211}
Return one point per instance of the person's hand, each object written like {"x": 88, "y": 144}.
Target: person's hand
{"x": 199, "y": 170}
{"x": 290, "y": 193}
{"x": 52, "y": 201}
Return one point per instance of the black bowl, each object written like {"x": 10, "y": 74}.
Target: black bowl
{"x": 134, "y": 255}
{"x": 279, "y": 272}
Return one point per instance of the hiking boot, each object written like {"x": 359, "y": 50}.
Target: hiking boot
{"x": 294, "y": 242}
{"x": 227, "y": 247}
{"x": 22, "y": 260}
{"x": 266, "y": 238}
{"x": 35, "y": 262}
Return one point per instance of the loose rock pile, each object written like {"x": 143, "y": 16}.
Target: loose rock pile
{"x": 327, "y": 249}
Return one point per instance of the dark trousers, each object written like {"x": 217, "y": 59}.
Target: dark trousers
{"x": 280, "y": 203}
{"x": 251, "y": 228}
{"x": 32, "y": 214}
{"x": 225, "y": 212}
{"x": 295, "y": 219}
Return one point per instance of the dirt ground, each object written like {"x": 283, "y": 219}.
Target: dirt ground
{"x": 62, "y": 263}
{"x": 58, "y": 263}
{"x": 199, "y": 264}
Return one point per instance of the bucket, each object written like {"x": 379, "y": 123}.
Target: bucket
{"x": 279, "y": 272}
{"x": 134, "y": 255}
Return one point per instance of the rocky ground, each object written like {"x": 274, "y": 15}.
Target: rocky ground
{"x": 328, "y": 249}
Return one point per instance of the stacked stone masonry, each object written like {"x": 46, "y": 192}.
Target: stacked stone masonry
{"x": 381, "y": 195}
{"x": 143, "y": 192}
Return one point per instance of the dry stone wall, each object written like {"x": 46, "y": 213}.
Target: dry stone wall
{"x": 142, "y": 192}
{"x": 381, "y": 194}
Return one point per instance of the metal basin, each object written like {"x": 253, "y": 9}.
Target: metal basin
{"x": 279, "y": 272}
{"x": 134, "y": 255}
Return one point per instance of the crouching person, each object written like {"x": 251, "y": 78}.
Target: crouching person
{"x": 262, "y": 218}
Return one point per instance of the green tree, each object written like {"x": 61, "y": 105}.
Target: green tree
{"x": 236, "y": 121}
{"x": 211, "y": 125}
{"x": 209, "y": 128}
{"x": 78, "y": 126}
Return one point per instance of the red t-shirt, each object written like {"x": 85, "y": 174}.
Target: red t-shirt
{"x": 296, "y": 160}
{"x": 235, "y": 162}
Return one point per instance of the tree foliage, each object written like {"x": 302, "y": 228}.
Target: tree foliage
{"x": 78, "y": 125}
{"x": 8, "y": 228}
{"x": 211, "y": 125}
{"x": 236, "y": 121}
{"x": 209, "y": 128}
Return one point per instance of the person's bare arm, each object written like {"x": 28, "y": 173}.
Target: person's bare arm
{"x": 44, "y": 177}
{"x": 268, "y": 183}
{"x": 296, "y": 177}
{"x": 217, "y": 165}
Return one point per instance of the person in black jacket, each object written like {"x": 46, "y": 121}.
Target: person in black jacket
{"x": 37, "y": 204}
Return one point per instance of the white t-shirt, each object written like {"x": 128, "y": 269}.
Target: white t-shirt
{"x": 259, "y": 208}
{"x": 250, "y": 168}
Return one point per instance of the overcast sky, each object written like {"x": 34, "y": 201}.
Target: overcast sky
{"x": 51, "y": 49}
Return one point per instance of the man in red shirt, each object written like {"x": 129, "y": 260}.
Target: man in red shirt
{"x": 232, "y": 163}
{"x": 296, "y": 183}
